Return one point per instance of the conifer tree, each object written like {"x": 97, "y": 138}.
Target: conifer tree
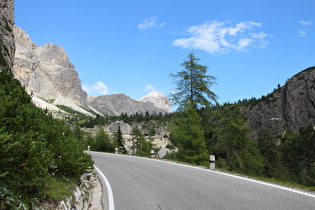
{"x": 102, "y": 141}
{"x": 227, "y": 139}
{"x": 192, "y": 92}
{"x": 193, "y": 84}
{"x": 36, "y": 149}
{"x": 188, "y": 137}
{"x": 120, "y": 140}
{"x": 136, "y": 132}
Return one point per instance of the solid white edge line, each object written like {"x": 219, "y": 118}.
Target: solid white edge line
{"x": 226, "y": 174}
{"x": 248, "y": 179}
{"x": 111, "y": 205}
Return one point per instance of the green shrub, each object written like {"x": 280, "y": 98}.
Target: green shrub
{"x": 35, "y": 147}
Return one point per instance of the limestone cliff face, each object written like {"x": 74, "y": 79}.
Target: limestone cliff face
{"x": 289, "y": 107}
{"x": 158, "y": 99}
{"x": 46, "y": 71}
{"x": 6, "y": 33}
{"x": 120, "y": 103}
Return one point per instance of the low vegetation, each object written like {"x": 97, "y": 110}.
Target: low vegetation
{"x": 41, "y": 158}
{"x": 38, "y": 153}
{"x": 200, "y": 128}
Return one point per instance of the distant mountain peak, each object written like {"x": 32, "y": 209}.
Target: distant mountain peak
{"x": 158, "y": 99}
{"x": 47, "y": 72}
{"x": 154, "y": 94}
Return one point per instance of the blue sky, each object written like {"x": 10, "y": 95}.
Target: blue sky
{"x": 132, "y": 47}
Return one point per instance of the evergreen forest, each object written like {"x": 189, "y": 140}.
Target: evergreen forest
{"x": 40, "y": 158}
{"x": 200, "y": 127}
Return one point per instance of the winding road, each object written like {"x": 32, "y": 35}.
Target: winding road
{"x": 148, "y": 184}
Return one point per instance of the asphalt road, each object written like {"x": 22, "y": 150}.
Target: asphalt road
{"x": 148, "y": 184}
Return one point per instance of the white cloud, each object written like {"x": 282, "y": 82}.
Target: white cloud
{"x": 150, "y": 23}
{"x": 99, "y": 88}
{"x": 302, "y": 32}
{"x": 305, "y": 23}
{"x": 149, "y": 87}
{"x": 217, "y": 38}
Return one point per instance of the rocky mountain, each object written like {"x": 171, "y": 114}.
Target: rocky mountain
{"x": 158, "y": 99}
{"x": 120, "y": 103}
{"x": 47, "y": 73}
{"x": 289, "y": 107}
{"x": 6, "y": 36}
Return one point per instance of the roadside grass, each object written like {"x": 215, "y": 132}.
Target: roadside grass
{"x": 59, "y": 189}
{"x": 284, "y": 183}
{"x": 269, "y": 180}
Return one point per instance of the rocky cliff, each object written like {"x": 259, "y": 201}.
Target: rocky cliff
{"x": 289, "y": 107}
{"x": 120, "y": 103}
{"x": 46, "y": 71}
{"x": 6, "y": 36}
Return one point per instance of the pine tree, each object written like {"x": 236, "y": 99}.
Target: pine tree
{"x": 120, "y": 141}
{"x": 192, "y": 93}
{"x": 137, "y": 134}
{"x": 188, "y": 137}
{"x": 193, "y": 84}
{"x": 230, "y": 143}
{"x": 102, "y": 141}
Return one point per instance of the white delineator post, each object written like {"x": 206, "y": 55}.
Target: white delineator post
{"x": 88, "y": 148}
{"x": 152, "y": 153}
{"x": 116, "y": 150}
{"x": 212, "y": 162}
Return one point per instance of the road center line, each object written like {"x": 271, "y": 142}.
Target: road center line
{"x": 111, "y": 205}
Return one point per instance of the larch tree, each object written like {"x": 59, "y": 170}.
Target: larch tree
{"x": 193, "y": 85}
{"x": 192, "y": 93}
{"x": 120, "y": 141}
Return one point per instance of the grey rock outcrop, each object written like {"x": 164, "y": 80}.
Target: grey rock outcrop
{"x": 289, "y": 107}
{"x": 7, "y": 47}
{"x": 159, "y": 100}
{"x": 46, "y": 71}
{"x": 120, "y": 103}
{"x": 113, "y": 127}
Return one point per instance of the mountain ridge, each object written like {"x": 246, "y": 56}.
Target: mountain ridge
{"x": 47, "y": 73}
{"x": 291, "y": 106}
{"x": 117, "y": 104}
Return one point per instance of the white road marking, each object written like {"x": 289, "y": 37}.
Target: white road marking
{"x": 226, "y": 174}
{"x": 111, "y": 205}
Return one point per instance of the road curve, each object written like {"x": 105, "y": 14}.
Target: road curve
{"x": 142, "y": 183}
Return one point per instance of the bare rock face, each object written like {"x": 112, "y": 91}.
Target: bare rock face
{"x": 120, "y": 103}
{"x": 158, "y": 99}
{"x": 46, "y": 70}
{"x": 6, "y": 33}
{"x": 289, "y": 107}
{"x": 113, "y": 127}
{"x": 47, "y": 73}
